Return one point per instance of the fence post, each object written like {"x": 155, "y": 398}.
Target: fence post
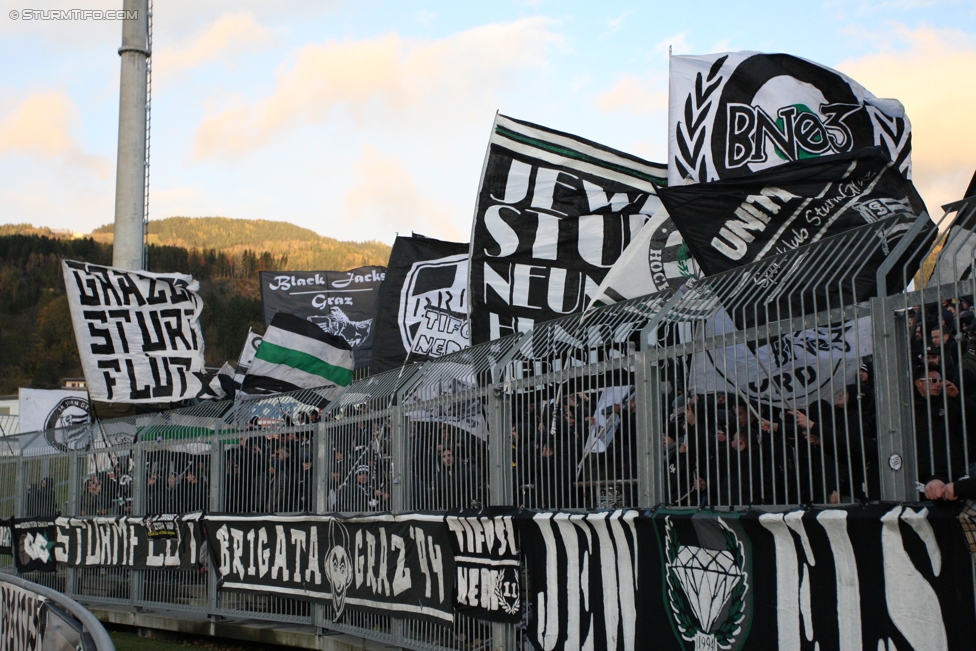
{"x": 20, "y": 490}
{"x": 71, "y": 509}
{"x": 320, "y": 470}
{"x": 650, "y": 447}
{"x": 217, "y": 479}
{"x": 500, "y": 446}
{"x": 500, "y": 491}
{"x": 400, "y": 490}
{"x": 138, "y": 507}
{"x": 893, "y": 401}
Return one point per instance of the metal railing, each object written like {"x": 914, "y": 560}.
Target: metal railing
{"x": 784, "y": 382}
{"x": 67, "y": 626}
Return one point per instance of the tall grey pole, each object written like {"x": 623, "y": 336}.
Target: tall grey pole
{"x": 130, "y": 176}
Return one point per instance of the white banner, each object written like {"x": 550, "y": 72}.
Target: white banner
{"x": 791, "y": 371}
{"x": 43, "y": 409}
{"x": 731, "y": 114}
{"x": 138, "y": 332}
{"x": 251, "y": 344}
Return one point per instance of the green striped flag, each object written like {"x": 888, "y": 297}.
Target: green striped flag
{"x": 297, "y": 354}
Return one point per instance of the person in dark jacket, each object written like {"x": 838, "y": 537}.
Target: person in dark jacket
{"x": 41, "y": 502}
{"x": 939, "y": 441}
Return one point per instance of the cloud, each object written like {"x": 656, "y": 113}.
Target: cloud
{"x": 40, "y": 126}
{"x": 384, "y": 197}
{"x": 229, "y": 36}
{"x": 615, "y": 24}
{"x": 678, "y": 44}
{"x": 635, "y": 94}
{"x": 931, "y": 73}
{"x": 379, "y": 78}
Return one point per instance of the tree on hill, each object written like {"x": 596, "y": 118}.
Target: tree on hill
{"x": 301, "y": 248}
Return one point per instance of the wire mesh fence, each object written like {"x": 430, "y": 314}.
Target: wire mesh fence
{"x": 781, "y": 383}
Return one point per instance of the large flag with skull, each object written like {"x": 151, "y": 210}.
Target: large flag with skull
{"x": 423, "y": 311}
{"x": 735, "y": 113}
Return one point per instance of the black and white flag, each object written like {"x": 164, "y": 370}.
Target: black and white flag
{"x": 583, "y": 570}
{"x": 141, "y": 543}
{"x": 423, "y": 303}
{"x": 23, "y": 620}
{"x": 955, "y": 261}
{"x": 881, "y": 576}
{"x": 732, "y": 223}
{"x": 342, "y": 303}
{"x": 6, "y": 535}
{"x": 244, "y": 362}
{"x": 736, "y": 113}
{"x": 33, "y": 543}
{"x": 554, "y": 213}
{"x": 397, "y": 565}
{"x": 152, "y": 542}
{"x": 42, "y": 409}
{"x": 657, "y": 259}
{"x": 138, "y": 333}
{"x": 790, "y": 371}
{"x": 486, "y": 557}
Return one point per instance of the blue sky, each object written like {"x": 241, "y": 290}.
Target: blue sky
{"x": 362, "y": 119}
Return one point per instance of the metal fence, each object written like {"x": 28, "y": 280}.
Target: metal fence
{"x": 784, "y": 382}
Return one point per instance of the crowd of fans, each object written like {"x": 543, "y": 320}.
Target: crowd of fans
{"x": 575, "y": 446}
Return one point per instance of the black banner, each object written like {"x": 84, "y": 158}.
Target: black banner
{"x": 423, "y": 303}
{"x": 554, "y": 213}
{"x": 879, "y": 576}
{"x": 142, "y": 543}
{"x": 486, "y": 557}
{"x": 34, "y": 541}
{"x": 732, "y": 223}
{"x": 342, "y": 303}
{"x": 397, "y": 565}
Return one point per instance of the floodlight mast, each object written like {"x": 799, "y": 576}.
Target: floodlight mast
{"x": 130, "y": 177}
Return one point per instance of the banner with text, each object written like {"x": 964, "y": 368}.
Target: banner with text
{"x": 554, "y": 212}
{"x": 736, "y": 113}
{"x": 486, "y": 557}
{"x": 343, "y": 303}
{"x": 142, "y": 543}
{"x": 398, "y": 565}
{"x": 423, "y": 306}
{"x": 879, "y": 576}
{"x": 138, "y": 333}
{"x": 732, "y": 223}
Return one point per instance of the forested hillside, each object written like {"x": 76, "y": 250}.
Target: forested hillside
{"x": 300, "y": 248}
{"x": 37, "y": 344}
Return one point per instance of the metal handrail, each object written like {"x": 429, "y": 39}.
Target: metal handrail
{"x": 101, "y": 638}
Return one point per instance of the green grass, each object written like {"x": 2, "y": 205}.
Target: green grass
{"x": 126, "y": 639}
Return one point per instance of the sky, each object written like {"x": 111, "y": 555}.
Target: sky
{"x": 363, "y": 119}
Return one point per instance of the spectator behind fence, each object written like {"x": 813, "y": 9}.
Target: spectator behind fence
{"x": 40, "y": 500}
{"x": 94, "y": 501}
{"x": 361, "y": 494}
{"x": 452, "y": 483}
{"x": 939, "y": 441}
